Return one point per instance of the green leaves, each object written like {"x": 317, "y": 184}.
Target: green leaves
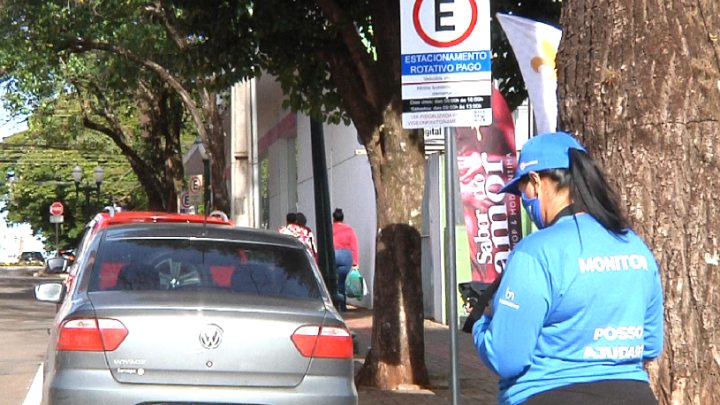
{"x": 42, "y": 50}
{"x": 39, "y": 175}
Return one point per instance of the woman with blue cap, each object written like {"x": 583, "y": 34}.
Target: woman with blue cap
{"x": 580, "y": 305}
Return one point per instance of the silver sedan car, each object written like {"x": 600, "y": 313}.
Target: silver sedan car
{"x": 186, "y": 314}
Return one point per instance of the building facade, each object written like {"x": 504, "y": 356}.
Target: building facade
{"x": 269, "y": 152}
{"x": 284, "y": 148}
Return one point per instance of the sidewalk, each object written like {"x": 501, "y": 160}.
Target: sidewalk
{"x": 478, "y": 385}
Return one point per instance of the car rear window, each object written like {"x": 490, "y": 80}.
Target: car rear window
{"x": 182, "y": 265}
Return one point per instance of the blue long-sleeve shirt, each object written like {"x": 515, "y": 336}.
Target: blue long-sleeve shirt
{"x": 576, "y": 304}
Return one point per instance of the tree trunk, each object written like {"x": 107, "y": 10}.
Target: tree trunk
{"x": 638, "y": 83}
{"x": 207, "y": 122}
{"x": 161, "y": 115}
{"x": 371, "y": 93}
{"x": 150, "y": 117}
{"x": 173, "y": 170}
{"x": 143, "y": 171}
{"x": 151, "y": 185}
{"x": 215, "y": 144}
{"x": 397, "y": 356}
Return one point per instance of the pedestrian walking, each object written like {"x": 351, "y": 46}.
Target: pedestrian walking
{"x": 346, "y": 252}
{"x": 290, "y": 224}
{"x": 580, "y": 305}
{"x": 302, "y": 222}
{"x": 293, "y": 228}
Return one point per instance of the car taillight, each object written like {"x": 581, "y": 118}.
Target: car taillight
{"x": 91, "y": 335}
{"x": 69, "y": 281}
{"x": 328, "y": 342}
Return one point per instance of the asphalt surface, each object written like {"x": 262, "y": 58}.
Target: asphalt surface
{"x": 23, "y": 332}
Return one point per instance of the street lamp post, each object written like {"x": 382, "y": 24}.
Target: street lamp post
{"x": 77, "y": 174}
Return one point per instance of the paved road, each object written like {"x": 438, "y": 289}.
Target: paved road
{"x": 23, "y": 333}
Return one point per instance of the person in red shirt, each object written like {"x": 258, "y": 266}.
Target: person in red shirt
{"x": 346, "y": 252}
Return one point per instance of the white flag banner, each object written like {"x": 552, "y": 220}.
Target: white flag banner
{"x": 535, "y": 46}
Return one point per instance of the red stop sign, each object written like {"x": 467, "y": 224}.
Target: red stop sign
{"x": 57, "y": 208}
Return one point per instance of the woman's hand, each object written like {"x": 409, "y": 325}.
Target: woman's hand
{"x": 488, "y": 310}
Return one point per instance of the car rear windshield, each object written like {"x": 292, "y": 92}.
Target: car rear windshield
{"x": 31, "y": 256}
{"x": 182, "y": 265}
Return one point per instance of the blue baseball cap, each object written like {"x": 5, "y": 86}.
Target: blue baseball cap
{"x": 543, "y": 152}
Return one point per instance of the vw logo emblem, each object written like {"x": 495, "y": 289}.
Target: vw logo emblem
{"x": 211, "y": 336}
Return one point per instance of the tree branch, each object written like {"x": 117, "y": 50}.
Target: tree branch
{"x": 356, "y": 48}
{"x": 168, "y": 17}
{"x": 107, "y": 111}
{"x": 117, "y": 138}
{"x": 364, "y": 115}
{"x": 115, "y": 134}
{"x": 82, "y": 46}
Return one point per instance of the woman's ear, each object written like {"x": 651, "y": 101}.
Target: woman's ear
{"x": 533, "y": 184}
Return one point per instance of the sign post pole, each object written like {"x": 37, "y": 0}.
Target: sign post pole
{"x": 56, "y": 216}
{"x": 323, "y": 220}
{"x": 447, "y": 82}
{"x": 451, "y": 178}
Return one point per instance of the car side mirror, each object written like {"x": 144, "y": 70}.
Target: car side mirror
{"x": 69, "y": 257}
{"x": 50, "y": 292}
{"x": 57, "y": 265}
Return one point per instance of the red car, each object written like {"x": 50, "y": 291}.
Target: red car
{"x": 106, "y": 219}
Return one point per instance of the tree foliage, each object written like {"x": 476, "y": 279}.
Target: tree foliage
{"x": 37, "y": 165}
{"x": 51, "y": 47}
{"x": 296, "y": 38}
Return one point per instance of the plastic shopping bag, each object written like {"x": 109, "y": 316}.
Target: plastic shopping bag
{"x": 355, "y": 285}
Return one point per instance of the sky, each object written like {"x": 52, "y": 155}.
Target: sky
{"x": 7, "y": 247}
{"x": 10, "y": 126}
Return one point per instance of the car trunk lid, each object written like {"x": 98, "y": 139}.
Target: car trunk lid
{"x": 193, "y": 338}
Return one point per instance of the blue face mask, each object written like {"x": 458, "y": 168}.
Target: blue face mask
{"x": 532, "y": 206}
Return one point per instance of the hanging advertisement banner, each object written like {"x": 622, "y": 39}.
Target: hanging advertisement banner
{"x": 487, "y": 159}
{"x": 535, "y": 46}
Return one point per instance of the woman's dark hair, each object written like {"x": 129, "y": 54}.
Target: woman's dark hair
{"x": 301, "y": 220}
{"x": 291, "y": 218}
{"x": 338, "y": 215}
{"x": 590, "y": 191}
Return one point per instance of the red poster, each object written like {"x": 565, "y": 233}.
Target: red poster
{"x": 487, "y": 160}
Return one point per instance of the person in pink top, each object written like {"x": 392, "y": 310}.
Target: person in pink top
{"x": 346, "y": 252}
{"x": 299, "y": 231}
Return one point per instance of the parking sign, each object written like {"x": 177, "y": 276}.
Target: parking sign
{"x": 185, "y": 199}
{"x": 196, "y": 185}
{"x": 446, "y": 76}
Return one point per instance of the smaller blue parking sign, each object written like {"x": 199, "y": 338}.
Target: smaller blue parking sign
{"x": 446, "y": 63}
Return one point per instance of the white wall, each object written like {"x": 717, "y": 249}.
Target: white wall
{"x": 282, "y": 186}
{"x": 351, "y": 188}
{"x": 290, "y": 183}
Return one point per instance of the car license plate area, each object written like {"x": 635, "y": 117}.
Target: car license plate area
{"x": 188, "y": 403}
